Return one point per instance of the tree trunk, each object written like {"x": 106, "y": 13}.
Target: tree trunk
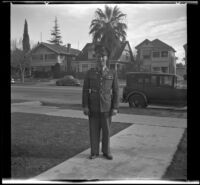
{"x": 22, "y": 74}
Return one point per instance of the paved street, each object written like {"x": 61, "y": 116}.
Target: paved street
{"x": 141, "y": 151}
{"x": 46, "y": 93}
{"x": 56, "y": 94}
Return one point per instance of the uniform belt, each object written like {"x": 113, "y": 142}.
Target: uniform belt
{"x": 99, "y": 91}
{"x": 93, "y": 91}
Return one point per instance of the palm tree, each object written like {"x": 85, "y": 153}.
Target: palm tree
{"x": 108, "y": 27}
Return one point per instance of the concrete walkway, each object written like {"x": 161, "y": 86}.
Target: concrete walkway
{"x": 141, "y": 151}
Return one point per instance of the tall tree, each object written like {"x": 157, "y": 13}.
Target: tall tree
{"x": 19, "y": 53}
{"x": 56, "y": 38}
{"x": 108, "y": 27}
{"x": 26, "y": 41}
{"x": 26, "y": 46}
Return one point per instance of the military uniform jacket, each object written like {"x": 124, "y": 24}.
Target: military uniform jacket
{"x": 100, "y": 91}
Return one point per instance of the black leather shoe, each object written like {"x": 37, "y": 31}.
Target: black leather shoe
{"x": 93, "y": 156}
{"x": 108, "y": 156}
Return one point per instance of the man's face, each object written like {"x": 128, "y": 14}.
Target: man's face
{"x": 101, "y": 60}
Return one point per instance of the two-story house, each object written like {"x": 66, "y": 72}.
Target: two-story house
{"x": 156, "y": 56}
{"x": 121, "y": 56}
{"x": 44, "y": 56}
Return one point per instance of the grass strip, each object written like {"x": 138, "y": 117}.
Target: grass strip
{"x": 39, "y": 142}
{"x": 178, "y": 167}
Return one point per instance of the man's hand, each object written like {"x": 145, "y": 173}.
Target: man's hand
{"x": 114, "y": 112}
{"x": 86, "y": 111}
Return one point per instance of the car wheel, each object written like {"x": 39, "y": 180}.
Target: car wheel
{"x": 58, "y": 84}
{"x": 137, "y": 101}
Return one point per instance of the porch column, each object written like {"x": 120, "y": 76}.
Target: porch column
{"x": 115, "y": 66}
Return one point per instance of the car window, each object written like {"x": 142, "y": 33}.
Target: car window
{"x": 68, "y": 77}
{"x": 166, "y": 81}
{"x": 147, "y": 80}
{"x": 131, "y": 79}
{"x": 140, "y": 80}
{"x": 153, "y": 80}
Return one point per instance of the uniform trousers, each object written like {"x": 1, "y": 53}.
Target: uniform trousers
{"x": 99, "y": 123}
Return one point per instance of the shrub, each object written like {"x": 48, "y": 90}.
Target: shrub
{"x": 42, "y": 74}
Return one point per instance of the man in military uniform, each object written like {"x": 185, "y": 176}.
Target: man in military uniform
{"x": 100, "y": 101}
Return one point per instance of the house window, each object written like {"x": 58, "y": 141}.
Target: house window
{"x": 127, "y": 55}
{"x": 146, "y": 54}
{"x": 164, "y": 54}
{"x": 164, "y": 69}
{"x": 156, "y": 69}
{"x": 156, "y": 54}
{"x": 51, "y": 56}
{"x": 37, "y": 57}
{"x": 84, "y": 67}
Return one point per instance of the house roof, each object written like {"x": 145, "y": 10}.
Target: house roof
{"x": 83, "y": 55}
{"x": 117, "y": 53}
{"x": 58, "y": 49}
{"x": 114, "y": 56}
{"x": 157, "y": 44}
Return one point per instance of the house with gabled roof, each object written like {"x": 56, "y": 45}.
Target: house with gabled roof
{"x": 156, "y": 56}
{"x": 119, "y": 58}
{"x": 44, "y": 56}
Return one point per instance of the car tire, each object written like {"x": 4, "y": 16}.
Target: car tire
{"x": 137, "y": 101}
{"x": 58, "y": 84}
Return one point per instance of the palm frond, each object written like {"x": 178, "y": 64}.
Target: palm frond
{"x": 100, "y": 14}
{"x": 108, "y": 12}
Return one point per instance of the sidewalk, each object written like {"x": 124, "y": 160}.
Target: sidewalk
{"x": 142, "y": 151}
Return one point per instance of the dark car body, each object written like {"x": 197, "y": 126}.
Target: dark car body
{"x": 144, "y": 88}
{"x": 68, "y": 81}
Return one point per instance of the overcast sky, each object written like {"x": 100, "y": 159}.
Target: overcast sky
{"x": 167, "y": 22}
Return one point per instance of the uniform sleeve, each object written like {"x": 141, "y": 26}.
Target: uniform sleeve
{"x": 115, "y": 92}
{"x": 85, "y": 91}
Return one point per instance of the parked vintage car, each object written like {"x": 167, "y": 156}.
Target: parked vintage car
{"x": 68, "y": 81}
{"x": 144, "y": 88}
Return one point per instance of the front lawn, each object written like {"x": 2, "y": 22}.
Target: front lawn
{"x": 39, "y": 142}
